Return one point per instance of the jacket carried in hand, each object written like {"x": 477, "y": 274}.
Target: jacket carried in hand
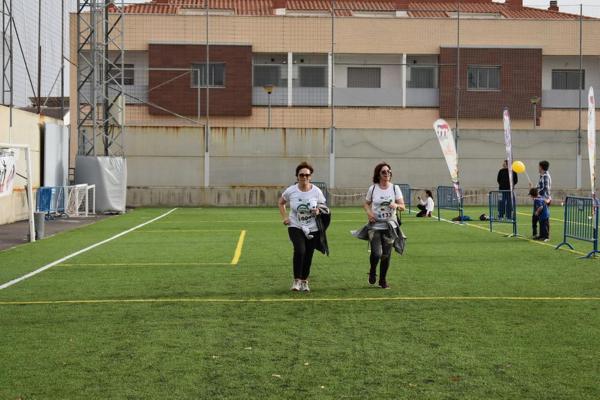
{"x": 393, "y": 233}
{"x": 323, "y": 219}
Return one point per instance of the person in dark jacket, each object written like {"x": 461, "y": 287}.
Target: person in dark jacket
{"x": 505, "y": 208}
{"x": 306, "y": 202}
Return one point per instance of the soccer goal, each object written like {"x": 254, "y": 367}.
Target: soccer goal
{"x": 80, "y": 200}
{"x": 9, "y": 171}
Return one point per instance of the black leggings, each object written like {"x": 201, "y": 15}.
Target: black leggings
{"x": 304, "y": 249}
{"x": 380, "y": 250}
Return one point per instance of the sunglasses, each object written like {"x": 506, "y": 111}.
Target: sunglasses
{"x": 386, "y": 172}
{"x": 303, "y": 175}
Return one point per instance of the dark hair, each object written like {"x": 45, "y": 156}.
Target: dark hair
{"x": 533, "y": 192}
{"x": 377, "y": 171}
{"x": 545, "y": 165}
{"x": 303, "y": 165}
{"x": 429, "y": 193}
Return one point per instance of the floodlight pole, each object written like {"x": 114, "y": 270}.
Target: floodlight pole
{"x": 456, "y": 128}
{"x": 578, "y": 167}
{"x": 332, "y": 126}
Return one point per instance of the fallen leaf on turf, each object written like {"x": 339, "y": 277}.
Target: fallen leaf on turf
{"x": 276, "y": 376}
{"x": 455, "y": 378}
{"x": 305, "y": 363}
{"x": 247, "y": 348}
{"x": 215, "y": 356}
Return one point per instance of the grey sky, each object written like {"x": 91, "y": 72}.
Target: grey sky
{"x": 590, "y": 7}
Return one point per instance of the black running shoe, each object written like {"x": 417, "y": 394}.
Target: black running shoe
{"x": 372, "y": 278}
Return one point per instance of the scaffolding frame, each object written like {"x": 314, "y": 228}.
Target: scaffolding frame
{"x": 100, "y": 77}
{"x": 7, "y": 56}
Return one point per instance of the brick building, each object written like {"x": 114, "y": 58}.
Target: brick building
{"x": 379, "y": 71}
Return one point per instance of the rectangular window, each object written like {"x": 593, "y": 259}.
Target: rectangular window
{"x": 313, "y": 76}
{"x": 567, "y": 79}
{"x": 114, "y": 74}
{"x": 216, "y": 75}
{"x": 483, "y": 78}
{"x": 364, "y": 77}
{"x": 267, "y": 75}
{"x": 421, "y": 77}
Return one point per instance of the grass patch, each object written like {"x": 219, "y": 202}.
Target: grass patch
{"x": 161, "y": 313}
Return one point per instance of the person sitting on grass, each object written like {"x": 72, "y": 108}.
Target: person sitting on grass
{"x": 541, "y": 214}
{"x": 425, "y": 206}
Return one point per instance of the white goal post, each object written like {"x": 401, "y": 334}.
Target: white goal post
{"x": 77, "y": 200}
{"x": 28, "y": 180}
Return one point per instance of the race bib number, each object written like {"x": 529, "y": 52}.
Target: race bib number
{"x": 384, "y": 212}
{"x": 304, "y": 214}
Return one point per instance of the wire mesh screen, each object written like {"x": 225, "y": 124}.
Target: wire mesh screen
{"x": 581, "y": 220}
{"x": 346, "y": 83}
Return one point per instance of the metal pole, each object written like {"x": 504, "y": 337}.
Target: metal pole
{"x": 62, "y": 59}
{"x": 39, "y": 69}
{"x": 207, "y": 125}
{"x": 3, "y": 48}
{"x": 199, "y": 95}
{"x": 332, "y": 125}
{"x": 105, "y": 77}
{"x": 94, "y": 63}
{"x": 579, "y": 92}
{"x": 30, "y": 193}
{"x": 11, "y": 55}
{"x": 269, "y": 121}
{"x": 457, "y": 129}
{"x": 534, "y": 114}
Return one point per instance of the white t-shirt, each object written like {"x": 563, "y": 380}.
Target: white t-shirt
{"x": 300, "y": 204}
{"x": 428, "y": 204}
{"x": 380, "y": 203}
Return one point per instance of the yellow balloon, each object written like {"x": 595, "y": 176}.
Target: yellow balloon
{"x": 518, "y": 167}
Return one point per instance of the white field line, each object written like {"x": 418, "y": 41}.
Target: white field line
{"x": 305, "y": 299}
{"x": 52, "y": 264}
{"x": 238, "y": 248}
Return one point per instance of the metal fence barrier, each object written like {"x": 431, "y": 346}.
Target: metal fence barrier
{"x": 581, "y": 222}
{"x": 447, "y": 200}
{"x": 406, "y": 193}
{"x": 50, "y": 200}
{"x": 503, "y": 209}
{"x": 323, "y": 187}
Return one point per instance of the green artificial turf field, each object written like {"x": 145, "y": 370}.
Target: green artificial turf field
{"x": 197, "y": 305}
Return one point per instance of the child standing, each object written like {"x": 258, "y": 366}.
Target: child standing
{"x": 541, "y": 213}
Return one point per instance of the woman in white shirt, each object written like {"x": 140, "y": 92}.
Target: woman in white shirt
{"x": 382, "y": 201}
{"x": 303, "y": 198}
{"x": 425, "y": 206}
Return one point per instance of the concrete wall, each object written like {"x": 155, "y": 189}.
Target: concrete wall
{"x": 25, "y": 130}
{"x": 166, "y": 165}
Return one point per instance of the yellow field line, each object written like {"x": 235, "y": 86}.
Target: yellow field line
{"x": 238, "y": 249}
{"x": 553, "y": 219}
{"x": 519, "y": 237}
{"x": 303, "y": 300}
{"x": 184, "y": 230}
{"x": 137, "y": 264}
